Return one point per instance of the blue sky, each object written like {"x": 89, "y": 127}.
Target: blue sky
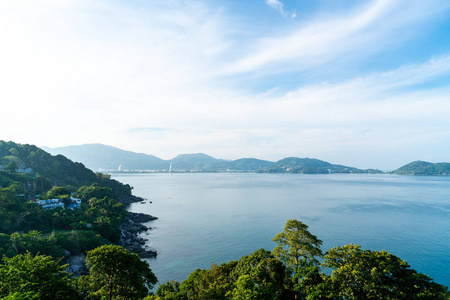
{"x": 360, "y": 83}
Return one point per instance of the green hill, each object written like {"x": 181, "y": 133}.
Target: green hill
{"x": 297, "y": 165}
{"x": 195, "y": 162}
{"x": 423, "y": 168}
{"x": 39, "y": 171}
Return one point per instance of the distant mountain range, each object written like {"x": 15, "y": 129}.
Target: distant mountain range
{"x": 103, "y": 157}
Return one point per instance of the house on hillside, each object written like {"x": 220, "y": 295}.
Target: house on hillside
{"x": 24, "y": 169}
{"x": 50, "y": 203}
{"x": 76, "y": 203}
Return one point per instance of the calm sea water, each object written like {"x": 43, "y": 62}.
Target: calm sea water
{"x": 205, "y": 218}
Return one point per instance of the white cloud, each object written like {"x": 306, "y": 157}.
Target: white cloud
{"x": 73, "y": 73}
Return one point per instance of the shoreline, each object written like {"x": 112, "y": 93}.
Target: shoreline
{"x": 130, "y": 230}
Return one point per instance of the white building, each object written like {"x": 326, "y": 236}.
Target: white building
{"x": 50, "y": 203}
{"x": 76, "y": 203}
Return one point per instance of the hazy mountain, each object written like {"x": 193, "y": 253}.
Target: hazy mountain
{"x": 311, "y": 166}
{"x": 249, "y": 164}
{"x": 423, "y": 168}
{"x": 197, "y": 161}
{"x": 99, "y": 156}
{"x": 205, "y": 162}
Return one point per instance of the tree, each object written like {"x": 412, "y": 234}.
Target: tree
{"x": 167, "y": 291}
{"x": 34, "y": 277}
{"x": 57, "y": 192}
{"x": 309, "y": 282}
{"x": 364, "y": 274}
{"x": 11, "y": 167}
{"x": 260, "y": 276}
{"x": 296, "y": 242}
{"x": 94, "y": 191}
{"x": 214, "y": 283}
{"x": 116, "y": 273}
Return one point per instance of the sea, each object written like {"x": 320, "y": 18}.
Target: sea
{"x": 206, "y": 218}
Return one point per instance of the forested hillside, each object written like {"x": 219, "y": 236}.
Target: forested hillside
{"x": 53, "y": 211}
{"x": 424, "y": 168}
{"x": 38, "y": 171}
{"x": 31, "y": 174}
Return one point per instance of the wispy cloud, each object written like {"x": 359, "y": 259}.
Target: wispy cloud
{"x": 279, "y": 6}
{"x": 361, "y": 33}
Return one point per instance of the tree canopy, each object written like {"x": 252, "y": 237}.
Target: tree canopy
{"x": 296, "y": 242}
{"x": 116, "y": 273}
{"x": 26, "y": 276}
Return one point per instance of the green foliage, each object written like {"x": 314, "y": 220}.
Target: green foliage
{"x": 256, "y": 276}
{"x": 167, "y": 291}
{"x": 309, "y": 282}
{"x": 295, "y": 242}
{"x": 94, "y": 191}
{"x": 80, "y": 241}
{"x": 365, "y": 274}
{"x": 260, "y": 276}
{"x": 119, "y": 189}
{"x": 214, "y": 283}
{"x": 117, "y": 274}
{"x": 57, "y": 191}
{"x": 104, "y": 211}
{"x": 32, "y": 242}
{"x": 106, "y": 214}
{"x": 26, "y": 276}
{"x": 11, "y": 167}
{"x": 59, "y": 170}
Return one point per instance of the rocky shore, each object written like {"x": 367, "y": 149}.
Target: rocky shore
{"x": 131, "y": 240}
{"x": 130, "y": 228}
{"x": 130, "y": 199}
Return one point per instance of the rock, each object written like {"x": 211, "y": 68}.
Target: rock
{"x": 141, "y": 217}
{"x": 130, "y": 229}
{"x": 147, "y": 254}
{"x": 77, "y": 265}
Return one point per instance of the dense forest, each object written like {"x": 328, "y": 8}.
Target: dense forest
{"x": 35, "y": 242}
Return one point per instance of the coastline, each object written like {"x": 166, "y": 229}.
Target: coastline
{"x": 131, "y": 228}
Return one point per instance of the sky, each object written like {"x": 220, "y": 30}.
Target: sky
{"x": 359, "y": 83}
